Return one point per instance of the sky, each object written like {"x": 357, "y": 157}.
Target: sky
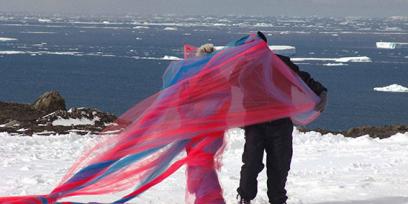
{"x": 364, "y": 8}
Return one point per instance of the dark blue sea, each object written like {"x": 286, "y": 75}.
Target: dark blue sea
{"x": 112, "y": 63}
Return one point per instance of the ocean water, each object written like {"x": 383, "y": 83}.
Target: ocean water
{"x": 112, "y": 63}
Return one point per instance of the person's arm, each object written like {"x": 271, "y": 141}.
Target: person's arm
{"x": 316, "y": 86}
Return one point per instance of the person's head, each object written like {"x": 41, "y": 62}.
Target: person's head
{"x": 205, "y": 49}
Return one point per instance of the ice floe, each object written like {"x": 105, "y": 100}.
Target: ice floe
{"x": 340, "y": 59}
{"x": 33, "y": 53}
{"x": 44, "y": 20}
{"x": 286, "y": 50}
{"x": 141, "y": 27}
{"x": 37, "y": 32}
{"x": 391, "y": 45}
{"x": 334, "y": 64}
{"x": 170, "y": 28}
{"x": 3, "y": 39}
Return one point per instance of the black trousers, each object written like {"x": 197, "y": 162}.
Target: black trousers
{"x": 275, "y": 138}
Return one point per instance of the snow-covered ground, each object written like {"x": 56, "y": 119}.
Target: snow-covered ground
{"x": 325, "y": 169}
{"x": 71, "y": 121}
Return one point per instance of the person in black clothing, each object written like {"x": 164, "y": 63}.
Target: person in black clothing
{"x": 274, "y": 137}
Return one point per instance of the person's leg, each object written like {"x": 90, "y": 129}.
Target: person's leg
{"x": 279, "y": 155}
{"x": 252, "y": 161}
{"x": 202, "y": 179}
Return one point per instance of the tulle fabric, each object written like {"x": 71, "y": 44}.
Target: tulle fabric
{"x": 183, "y": 124}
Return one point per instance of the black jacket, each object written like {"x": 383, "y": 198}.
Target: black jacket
{"x": 253, "y": 97}
{"x": 317, "y": 87}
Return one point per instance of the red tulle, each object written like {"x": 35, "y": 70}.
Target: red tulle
{"x": 183, "y": 124}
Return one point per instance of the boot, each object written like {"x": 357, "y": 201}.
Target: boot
{"x": 242, "y": 200}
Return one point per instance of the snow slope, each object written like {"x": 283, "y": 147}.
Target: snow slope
{"x": 325, "y": 169}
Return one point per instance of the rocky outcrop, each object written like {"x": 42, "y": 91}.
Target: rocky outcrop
{"x": 373, "y": 131}
{"x": 48, "y": 115}
{"x": 49, "y": 102}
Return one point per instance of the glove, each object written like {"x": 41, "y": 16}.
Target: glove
{"x": 322, "y": 103}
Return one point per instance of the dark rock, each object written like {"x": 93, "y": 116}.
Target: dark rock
{"x": 18, "y": 112}
{"x": 11, "y": 124}
{"x": 24, "y": 119}
{"x": 49, "y": 102}
{"x": 373, "y": 131}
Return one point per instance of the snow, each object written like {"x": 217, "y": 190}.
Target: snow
{"x": 77, "y": 121}
{"x": 391, "y": 45}
{"x": 3, "y": 39}
{"x": 392, "y": 88}
{"x": 340, "y": 59}
{"x": 325, "y": 169}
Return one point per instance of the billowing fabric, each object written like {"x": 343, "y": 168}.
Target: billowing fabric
{"x": 245, "y": 83}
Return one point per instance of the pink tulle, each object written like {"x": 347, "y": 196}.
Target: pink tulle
{"x": 243, "y": 84}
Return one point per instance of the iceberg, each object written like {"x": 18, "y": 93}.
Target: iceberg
{"x": 277, "y": 49}
{"x": 391, "y": 45}
{"x": 392, "y": 88}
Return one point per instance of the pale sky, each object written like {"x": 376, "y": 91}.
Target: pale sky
{"x": 365, "y": 8}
